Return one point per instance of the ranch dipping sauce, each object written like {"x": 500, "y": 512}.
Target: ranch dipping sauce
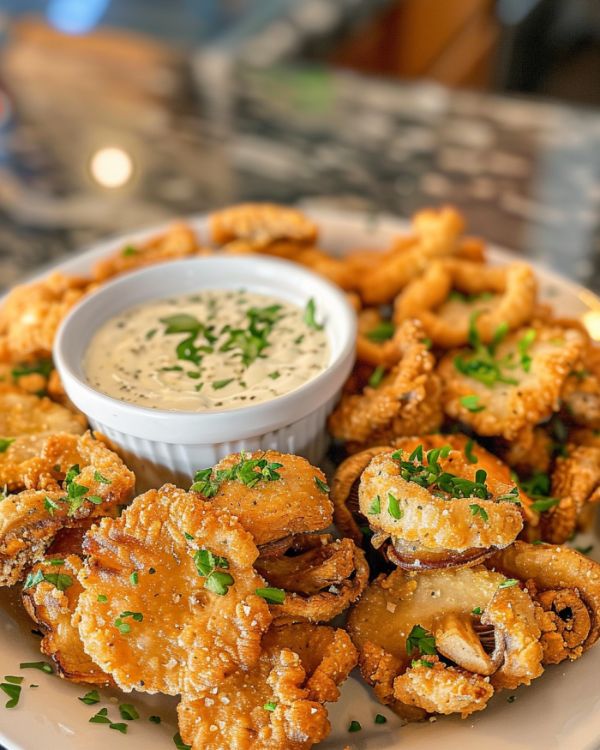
{"x": 214, "y": 350}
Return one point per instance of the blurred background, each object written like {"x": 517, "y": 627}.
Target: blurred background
{"x": 116, "y": 114}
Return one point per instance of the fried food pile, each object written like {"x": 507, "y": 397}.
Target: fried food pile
{"x": 467, "y": 455}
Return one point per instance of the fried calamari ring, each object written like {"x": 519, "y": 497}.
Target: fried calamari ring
{"x": 436, "y": 235}
{"x": 267, "y": 708}
{"x": 536, "y": 363}
{"x": 179, "y": 241}
{"x": 334, "y": 269}
{"x": 50, "y": 602}
{"x": 575, "y": 482}
{"x": 581, "y": 391}
{"x": 528, "y": 453}
{"x": 320, "y": 580}
{"x": 566, "y": 586}
{"x": 90, "y": 484}
{"x": 406, "y": 402}
{"x": 181, "y": 612}
{"x": 483, "y": 626}
{"x": 449, "y": 293}
{"x": 289, "y": 499}
{"x": 259, "y": 225}
{"x": 456, "y": 519}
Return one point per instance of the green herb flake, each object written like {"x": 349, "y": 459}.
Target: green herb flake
{"x": 219, "y": 384}
{"x": 154, "y": 719}
{"x": 476, "y": 611}
{"x": 270, "y": 705}
{"x": 128, "y": 711}
{"x": 511, "y": 699}
{"x": 102, "y": 598}
{"x": 471, "y": 403}
{"x": 394, "y": 507}
{"x": 422, "y": 640}
{"x": 478, "y": 510}
{"x": 382, "y": 332}
{"x": 206, "y": 562}
{"x": 321, "y": 485}
{"x": 354, "y": 726}
{"x": 41, "y": 665}
{"x": 469, "y": 455}
{"x": 375, "y": 507}
{"x": 421, "y": 663}
{"x": 309, "y": 316}
{"x": 179, "y": 743}
{"x": 380, "y": 719}
{"x": 120, "y": 727}
{"x": 101, "y": 717}
{"x": 272, "y": 595}
{"x": 5, "y": 444}
{"x": 50, "y": 505}
{"x": 585, "y": 550}
{"x": 128, "y": 251}
{"x": 218, "y": 582}
{"x": 542, "y": 504}
{"x": 13, "y": 692}
{"x": 377, "y": 376}
{"x": 508, "y": 583}
{"x": 275, "y": 374}
{"x": 101, "y": 479}
{"x": 90, "y": 698}
{"x": 13, "y": 679}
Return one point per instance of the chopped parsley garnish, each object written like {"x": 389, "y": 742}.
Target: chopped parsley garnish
{"x": 511, "y": 699}
{"x": 471, "y": 403}
{"x": 101, "y": 717}
{"x": 218, "y": 384}
{"x": 380, "y": 719}
{"x": 43, "y": 367}
{"x": 537, "y": 487}
{"x": 50, "y": 505}
{"x": 56, "y": 561}
{"x": 206, "y": 561}
{"x": 179, "y": 743}
{"x": 382, "y": 332}
{"x": 375, "y": 507}
{"x": 13, "y": 692}
{"x": 394, "y": 507}
{"x": 151, "y": 334}
{"x": 309, "y": 316}
{"x": 275, "y": 374}
{"x": 90, "y": 698}
{"x": 102, "y": 598}
{"x": 251, "y": 342}
{"x": 524, "y": 345}
{"x": 128, "y": 712}
{"x": 377, "y": 376}
{"x": 134, "y": 578}
{"x": 270, "y": 705}
{"x": 421, "y": 640}
{"x": 421, "y": 663}
{"x": 154, "y": 719}
{"x": 321, "y": 485}
{"x": 354, "y": 726}
{"x": 469, "y": 455}
{"x": 61, "y": 581}
{"x": 272, "y": 595}
{"x": 481, "y": 364}
{"x": 5, "y": 444}
{"x": 41, "y": 665}
{"x": 218, "y": 582}
{"x": 508, "y": 583}
{"x": 248, "y": 471}
{"x": 477, "y": 510}
{"x": 476, "y": 611}
{"x": 101, "y": 479}
{"x": 510, "y": 497}
{"x": 124, "y": 627}
{"x": 119, "y": 727}
{"x": 129, "y": 250}
{"x": 585, "y": 550}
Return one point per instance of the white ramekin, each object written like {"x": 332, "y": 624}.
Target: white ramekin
{"x": 163, "y": 445}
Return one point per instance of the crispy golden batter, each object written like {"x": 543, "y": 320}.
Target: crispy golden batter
{"x": 291, "y": 503}
{"x": 505, "y": 409}
{"x": 529, "y": 452}
{"x": 321, "y": 579}
{"x": 442, "y": 690}
{"x": 430, "y": 526}
{"x": 447, "y": 296}
{"x": 575, "y": 482}
{"x": 566, "y": 587}
{"x": 261, "y": 224}
{"x": 406, "y": 402}
{"x": 32, "y": 313}
{"x": 436, "y": 235}
{"x": 327, "y": 655}
{"x": 581, "y": 391}
{"x": 334, "y": 269}
{"x": 179, "y": 241}
{"x": 51, "y": 603}
{"x": 482, "y": 626}
{"x": 171, "y": 632}
{"x": 74, "y": 479}
{"x": 234, "y": 716}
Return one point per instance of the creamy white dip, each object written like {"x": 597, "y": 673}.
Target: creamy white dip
{"x": 214, "y": 350}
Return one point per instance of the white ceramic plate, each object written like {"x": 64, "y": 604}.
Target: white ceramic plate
{"x": 560, "y": 710}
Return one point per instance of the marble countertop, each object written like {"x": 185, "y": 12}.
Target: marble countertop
{"x": 525, "y": 173}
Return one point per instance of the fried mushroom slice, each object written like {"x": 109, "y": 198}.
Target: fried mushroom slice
{"x": 274, "y": 495}
{"x": 89, "y": 484}
{"x": 447, "y": 296}
{"x": 179, "y": 241}
{"x": 437, "y": 509}
{"x": 575, "y": 482}
{"x": 181, "y": 612}
{"x": 265, "y": 708}
{"x": 436, "y": 234}
{"x": 259, "y": 225}
{"x": 50, "y": 596}
{"x": 406, "y": 402}
{"x": 32, "y": 313}
{"x": 482, "y": 626}
{"x": 320, "y": 579}
{"x": 566, "y": 588}
{"x": 327, "y": 655}
{"x": 525, "y": 388}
